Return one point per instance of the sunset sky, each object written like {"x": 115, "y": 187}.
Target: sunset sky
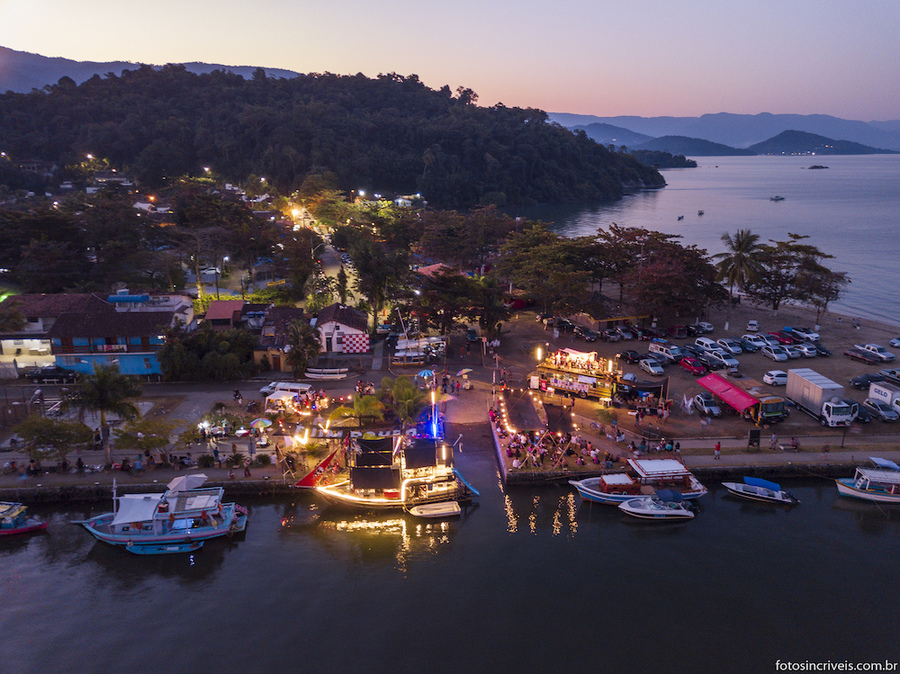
{"x": 640, "y": 57}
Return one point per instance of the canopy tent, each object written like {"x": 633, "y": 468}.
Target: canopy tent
{"x": 585, "y": 355}
{"x": 735, "y": 397}
{"x": 185, "y": 482}
{"x": 136, "y": 508}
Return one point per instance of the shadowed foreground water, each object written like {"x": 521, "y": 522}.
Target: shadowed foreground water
{"x": 529, "y": 580}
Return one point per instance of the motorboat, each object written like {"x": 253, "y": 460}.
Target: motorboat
{"x": 164, "y": 548}
{"x": 442, "y": 509}
{"x": 641, "y": 478}
{"x": 388, "y": 473}
{"x": 880, "y": 484}
{"x": 757, "y": 489}
{"x": 776, "y": 198}
{"x": 666, "y": 505}
{"x": 14, "y": 519}
{"x": 184, "y": 514}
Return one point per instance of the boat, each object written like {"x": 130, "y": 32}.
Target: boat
{"x": 398, "y": 473}
{"x": 327, "y": 373}
{"x": 185, "y": 513}
{"x": 642, "y": 477}
{"x": 757, "y": 489}
{"x": 667, "y": 505}
{"x": 699, "y": 212}
{"x": 776, "y": 198}
{"x": 14, "y": 519}
{"x": 880, "y": 484}
{"x": 433, "y": 510}
{"x": 163, "y": 548}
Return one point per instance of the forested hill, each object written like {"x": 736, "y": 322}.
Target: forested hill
{"x": 387, "y": 134}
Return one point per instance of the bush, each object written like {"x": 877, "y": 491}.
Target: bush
{"x": 263, "y": 460}
{"x": 236, "y": 460}
{"x": 206, "y": 461}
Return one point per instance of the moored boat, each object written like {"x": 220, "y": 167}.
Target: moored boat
{"x": 14, "y": 519}
{"x": 435, "y": 510}
{"x": 667, "y": 505}
{"x": 388, "y": 473}
{"x": 182, "y": 515}
{"x": 757, "y": 489}
{"x": 641, "y": 478}
{"x": 880, "y": 484}
{"x": 163, "y": 548}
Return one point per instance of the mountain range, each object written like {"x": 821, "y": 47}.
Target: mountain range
{"x": 736, "y": 131}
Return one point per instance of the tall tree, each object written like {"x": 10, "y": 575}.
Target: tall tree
{"x": 304, "y": 344}
{"x": 107, "y": 391}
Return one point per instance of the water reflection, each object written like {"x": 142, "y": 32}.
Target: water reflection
{"x": 873, "y": 519}
{"x": 549, "y": 509}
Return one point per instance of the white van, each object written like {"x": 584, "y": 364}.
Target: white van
{"x": 707, "y": 344}
{"x": 669, "y": 351}
{"x": 296, "y": 388}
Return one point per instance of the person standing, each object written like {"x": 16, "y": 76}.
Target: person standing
{"x": 216, "y": 457}
{"x": 718, "y": 451}
{"x": 774, "y": 442}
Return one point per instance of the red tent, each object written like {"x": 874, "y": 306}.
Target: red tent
{"x": 731, "y": 395}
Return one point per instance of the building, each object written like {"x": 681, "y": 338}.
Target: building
{"x": 343, "y": 329}
{"x": 274, "y": 337}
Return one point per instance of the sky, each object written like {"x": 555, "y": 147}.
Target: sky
{"x": 595, "y": 57}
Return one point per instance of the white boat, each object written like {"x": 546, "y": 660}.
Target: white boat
{"x": 178, "y": 517}
{"x": 642, "y": 478}
{"x": 390, "y": 473}
{"x": 757, "y": 489}
{"x": 880, "y": 484}
{"x": 667, "y": 505}
{"x": 436, "y": 510}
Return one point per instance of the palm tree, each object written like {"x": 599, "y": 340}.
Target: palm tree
{"x": 364, "y": 407}
{"x": 740, "y": 263}
{"x": 107, "y": 391}
{"x": 406, "y": 399}
{"x": 304, "y": 344}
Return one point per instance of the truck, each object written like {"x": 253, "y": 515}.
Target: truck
{"x": 855, "y": 353}
{"x": 819, "y": 397}
{"x": 885, "y": 392}
{"x": 746, "y": 397}
{"x": 891, "y": 374}
{"x": 876, "y": 350}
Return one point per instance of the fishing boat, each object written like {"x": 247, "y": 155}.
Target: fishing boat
{"x": 666, "y": 505}
{"x": 776, "y": 198}
{"x": 184, "y": 514}
{"x": 164, "y": 548}
{"x": 880, "y": 484}
{"x": 642, "y": 477}
{"x": 388, "y": 473}
{"x": 757, "y": 489}
{"x": 14, "y": 519}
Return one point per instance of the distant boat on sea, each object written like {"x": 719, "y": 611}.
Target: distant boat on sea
{"x": 776, "y": 198}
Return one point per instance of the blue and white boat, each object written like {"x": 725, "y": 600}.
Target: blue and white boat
{"x": 170, "y": 521}
{"x": 642, "y": 478}
{"x": 880, "y": 484}
{"x": 757, "y": 489}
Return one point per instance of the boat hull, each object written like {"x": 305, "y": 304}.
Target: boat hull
{"x": 164, "y": 548}
{"x": 587, "y": 493}
{"x": 751, "y": 494}
{"x": 845, "y": 487}
{"x": 436, "y": 510}
{"x": 235, "y": 522}
{"x": 656, "y": 511}
{"x": 32, "y": 525}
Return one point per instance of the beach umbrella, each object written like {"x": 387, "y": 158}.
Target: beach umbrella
{"x": 185, "y": 482}
{"x": 425, "y": 374}
{"x": 260, "y": 423}
{"x": 465, "y": 370}
{"x": 445, "y": 397}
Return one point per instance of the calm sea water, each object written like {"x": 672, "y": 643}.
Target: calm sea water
{"x": 850, "y": 211}
{"x": 528, "y": 581}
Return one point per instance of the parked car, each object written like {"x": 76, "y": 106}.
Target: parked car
{"x": 791, "y": 350}
{"x": 821, "y": 350}
{"x": 807, "y": 350}
{"x": 630, "y": 356}
{"x": 756, "y": 340}
{"x": 775, "y": 378}
{"x": 542, "y": 317}
{"x": 781, "y": 337}
{"x": 706, "y": 404}
{"x": 651, "y": 367}
{"x": 726, "y": 359}
{"x": 703, "y": 325}
{"x": 706, "y": 343}
{"x": 731, "y": 346}
{"x": 694, "y": 366}
{"x": 768, "y": 340}
{"x": 776, "y": 353}
{"x": 862, "y": 381}
{"x": 895, "y": 342}
{"x": 610, "y": 335}
{"x": 268, "y": 389}
{"x": 564, "y": 325}
{"x": 658, "y": 357}
{"x": 804, "y": 333}
{"x": 863, "y": 415}
{"x": 646, "y": 334}
{"x": 586, "y": 334}
{"x": 880, "y": 410}
{"x": 677, "y": 332}
{"x": 53, "y": 374}
{"x": 692, "y": 350}
{"x": 693, "y": 331}
{"x": 752, "y": 326}
{"x": 625, "y": 332}
{"x": 749, "y": 347}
